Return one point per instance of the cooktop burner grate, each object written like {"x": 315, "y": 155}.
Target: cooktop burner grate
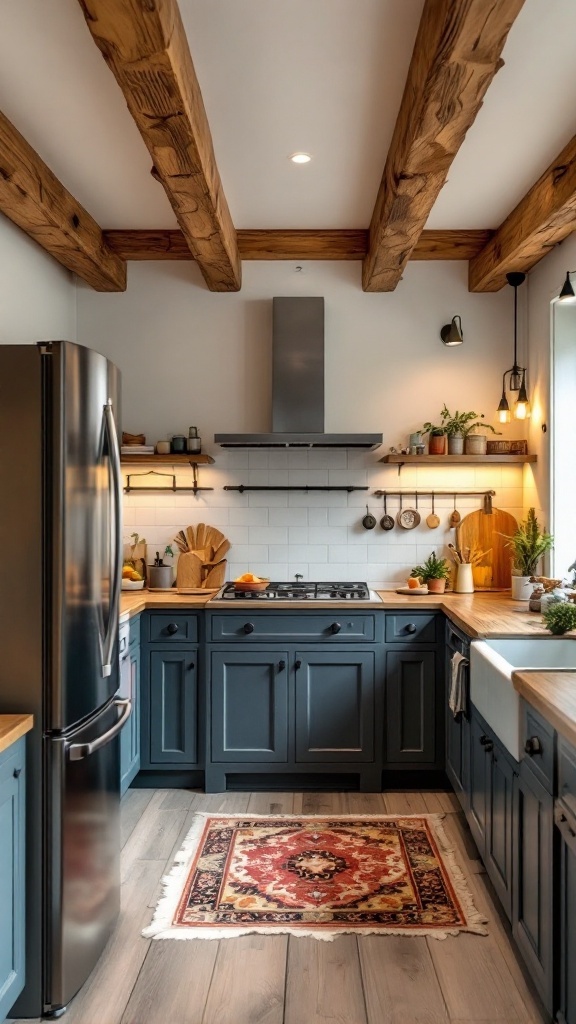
{"x": 300, "y": 592}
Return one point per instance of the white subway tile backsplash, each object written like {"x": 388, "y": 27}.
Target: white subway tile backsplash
{"x": 249, "y": 553}
{"x": 297, "y": 534}
{"x": 318, "y": 516}
{"x": 268, "y": 534}
{"x": 248, "y": 516}
{"x": 288, "y": 517}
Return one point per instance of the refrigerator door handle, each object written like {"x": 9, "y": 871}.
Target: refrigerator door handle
{"x": 114, "y": 450}
{"x": 78, "y": 751}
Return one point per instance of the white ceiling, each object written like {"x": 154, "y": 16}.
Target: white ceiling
{"x": 324, "y": 76}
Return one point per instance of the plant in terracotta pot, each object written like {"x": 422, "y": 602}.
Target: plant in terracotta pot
{"x": 437, "y": 438}
{"x": 433, "y": 572}
{"x": 528, "y": 545}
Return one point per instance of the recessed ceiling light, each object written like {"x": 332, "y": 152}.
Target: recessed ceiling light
{"x": 300, "y": 158}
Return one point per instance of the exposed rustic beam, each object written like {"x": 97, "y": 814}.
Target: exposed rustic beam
{"x": 33, "y": 198}
{"x": 145, "y": 46}
{"x": 296, "y": 245}
{"x": 456, "y": 55}
{"x": 545, "y": 216}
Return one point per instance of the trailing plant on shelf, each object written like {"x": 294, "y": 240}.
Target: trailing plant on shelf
{"x": 460, "y": 424}
{"x": 528, "y": 545}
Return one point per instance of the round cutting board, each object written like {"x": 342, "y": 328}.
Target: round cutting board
{"x": 483, "y": 532}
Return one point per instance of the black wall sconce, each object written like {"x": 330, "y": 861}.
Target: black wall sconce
{"x": 517, "y": 378}
{"x": 567, "y": 291}
{"x": 452, "y": 333}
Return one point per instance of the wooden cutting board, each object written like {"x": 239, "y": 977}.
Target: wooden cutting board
{"x": 482, "y": 531}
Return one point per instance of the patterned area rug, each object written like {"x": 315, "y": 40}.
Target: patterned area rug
{"x": 314, "y": 875}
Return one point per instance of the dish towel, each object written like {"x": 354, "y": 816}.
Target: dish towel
{"x": 458, "y": 698}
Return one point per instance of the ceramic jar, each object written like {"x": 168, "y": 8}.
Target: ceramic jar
{"x": 464, "y": 579}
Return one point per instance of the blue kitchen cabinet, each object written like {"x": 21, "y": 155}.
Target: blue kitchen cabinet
{"x": 458, "y": 726}
{"x": 173, "y": 708}
{"x": 12, "y": 874}
{"x": 335, "y": 705}
{"x": 130, "y": 688}
{"x": 565, "y": 818}
{"x": 533, "y": 898}
{"x": 492, "y": 772}
{"x": 249, "y": 705}
{"x": 411, "y": 708}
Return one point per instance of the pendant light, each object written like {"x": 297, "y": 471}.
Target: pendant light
{"x": 567, "y": 291}
{"x": 516, "y": 374}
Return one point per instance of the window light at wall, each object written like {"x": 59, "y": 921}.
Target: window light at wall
{"x": 516, "y": 374}
{"x": 567, "y": 291}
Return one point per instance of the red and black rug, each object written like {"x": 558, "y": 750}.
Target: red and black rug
{"x": 319, "y": 876}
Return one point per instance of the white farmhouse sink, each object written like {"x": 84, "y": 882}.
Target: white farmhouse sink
{"x": 492, "y": 663}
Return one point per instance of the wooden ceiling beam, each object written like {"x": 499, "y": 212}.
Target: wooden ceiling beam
{"x": 145, "y": 47}
{"x": 456, "y": 55}
{"x": 32, "y": 197}
{"x": 545, "y": 216}
{"x": 296, "y": 245}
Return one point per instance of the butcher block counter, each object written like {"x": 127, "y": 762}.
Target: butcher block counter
{"x": 12, "y": 727}
{"x": 479, "y": 614}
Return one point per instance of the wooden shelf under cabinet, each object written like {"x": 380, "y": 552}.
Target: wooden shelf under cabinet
{"x": 451, "y": 460}
{"x": 187, "y": 459}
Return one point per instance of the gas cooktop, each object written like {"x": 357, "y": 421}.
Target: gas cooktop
{"x": 300, "y": 592}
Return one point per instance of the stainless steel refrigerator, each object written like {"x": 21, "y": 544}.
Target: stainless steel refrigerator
{"x": 60, "y": 581}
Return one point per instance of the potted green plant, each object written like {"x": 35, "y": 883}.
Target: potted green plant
{"x": 458, "y": 425}
{"x": 528, "y": 545}
{"x": 561, "y": 617}
{"x": 434, "y": 572}
{"x": 437, "y": 438}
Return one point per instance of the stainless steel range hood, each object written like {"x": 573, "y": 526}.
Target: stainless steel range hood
{"x": 298, "y": 384}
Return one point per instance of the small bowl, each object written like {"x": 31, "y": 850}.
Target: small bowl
{"x": 246, "y": 587}
{"x": 132, "y": 584}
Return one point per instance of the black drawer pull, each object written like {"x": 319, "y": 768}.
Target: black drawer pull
{"x": 172, "y": 628}
{"x": 191, "y": 665}
{"x": 335, "y": 627}
{"x": 298, "y": 663}
{"x": 248, "y": 627}
{"x": 411, "y": 627}
{"x": 533, "y": 746}
{"x": 281, "y": 666}
{"x": 16, "y": 773}
{"x": 484, "y": 740}
{"x": 488, "y": 747}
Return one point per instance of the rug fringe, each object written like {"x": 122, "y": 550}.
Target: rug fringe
{"x": 161, "y": 926}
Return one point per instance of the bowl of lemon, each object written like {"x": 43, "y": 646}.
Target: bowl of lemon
{"x": 131, "y": 578}
{"x": 248, "y": 581}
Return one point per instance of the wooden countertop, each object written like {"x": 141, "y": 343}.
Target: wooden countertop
{"x": 480, "y": 615}
{"x": 12, "y": 727}
{"x": 553, "y": 694}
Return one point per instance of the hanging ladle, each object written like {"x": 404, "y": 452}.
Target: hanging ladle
{"x": 455, "y": 516}
{"x": 432, "y": 520}
{"x": 387, "y": 522}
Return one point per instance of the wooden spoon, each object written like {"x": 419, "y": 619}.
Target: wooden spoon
{"x": 455, "y": 516}
{"x": 432, "y": 520}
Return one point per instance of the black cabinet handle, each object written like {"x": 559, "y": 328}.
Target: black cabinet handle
{"x": 248, "y": 627}
{"x": 281, "y": 666}
{"x": 298, "y": 663}
{"x": 335, "y": 627}
{"x": 484, "y": 740}
{"x": 488, "y": 747}
{"x": 411, "y": 627}
{"x": 16, "y": 773}
{"x": 191, "y": 665}
{"x": 533, "y": 746}
{"x": 172, "y": 628}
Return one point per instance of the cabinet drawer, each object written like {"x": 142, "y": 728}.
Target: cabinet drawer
{"x": 411, "y": 628}
{"x": 168, "y": 626}
{"x": 537, "y": 741}
{"x": 335, "y": 627}
{"x": 567, "y": 774}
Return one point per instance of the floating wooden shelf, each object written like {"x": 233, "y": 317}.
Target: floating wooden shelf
{"x": 452, "y": 460}
{"x": 189, "y": 458}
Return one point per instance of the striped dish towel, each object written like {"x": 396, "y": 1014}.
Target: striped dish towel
{"x": 458, "y": 697}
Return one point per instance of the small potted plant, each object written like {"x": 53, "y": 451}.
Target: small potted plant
{"x": 458, "y": 425}
{"x": 437, "y": 438}
{"x": 433, "y": 572}
{"x": 528, "y": 545}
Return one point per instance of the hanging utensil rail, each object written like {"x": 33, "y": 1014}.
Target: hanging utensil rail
{"x": 173, "y": 489}
{"x": 420, "y": 494}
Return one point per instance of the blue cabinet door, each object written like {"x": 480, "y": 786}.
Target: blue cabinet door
{"x": 335, "y": 705}
{"x": 130, "y": 735}
{"x": 411, "y": 707}
{"x": 480, "y": 748}
{"x": 173, "y": 707}
{"x": 533, "y": 896}
{"x": 249, "y": 705}
{"x": 12, "y": 882}
{"x": 568, "y": 925}
{"x": 499, "y": 824}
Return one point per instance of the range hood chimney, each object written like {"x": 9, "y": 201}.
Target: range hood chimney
{"x": 298, "y": 384}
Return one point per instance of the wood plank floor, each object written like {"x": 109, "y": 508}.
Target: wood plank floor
{"x": 286, "y": 980}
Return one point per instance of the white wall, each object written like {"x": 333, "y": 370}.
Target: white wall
{"x": 189, "y": 356}
{"x": 37, "y": 296}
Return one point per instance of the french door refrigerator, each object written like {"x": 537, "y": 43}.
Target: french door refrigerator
{"x": 60, "y": 580}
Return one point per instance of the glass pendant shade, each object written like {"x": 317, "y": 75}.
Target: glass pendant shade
{"x": 516, "y": 374}
{"x": 522, "y": 405}
{"x": 504, "y": 409}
